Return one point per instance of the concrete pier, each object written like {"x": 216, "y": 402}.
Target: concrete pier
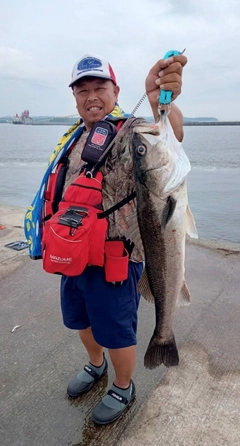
{"x": 194, "y": 404}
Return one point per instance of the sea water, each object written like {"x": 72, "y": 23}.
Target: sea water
{"x": 213, "y": 183}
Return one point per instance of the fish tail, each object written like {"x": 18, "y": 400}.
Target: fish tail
{"x": 159, "y": 352}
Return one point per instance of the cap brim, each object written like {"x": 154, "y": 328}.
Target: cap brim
{"x": 91, "y": 75}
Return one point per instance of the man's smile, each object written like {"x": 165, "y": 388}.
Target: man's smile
{"x": 94, "y": 108}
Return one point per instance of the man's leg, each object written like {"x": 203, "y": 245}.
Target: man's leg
{"x": 122, "y": 391}
{"x": 95, "y": 351}
{"x": 118, "y": 334}
{"x": 123, "y": 360}
{"x": 93, "y": 371}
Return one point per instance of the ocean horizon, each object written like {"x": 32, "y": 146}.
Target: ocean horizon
{"x": 213, "y": 183}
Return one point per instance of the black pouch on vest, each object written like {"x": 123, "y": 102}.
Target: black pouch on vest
{"x": 98, "y": 140}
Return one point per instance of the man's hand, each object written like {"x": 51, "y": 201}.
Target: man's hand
{"x": 167, "y": 75}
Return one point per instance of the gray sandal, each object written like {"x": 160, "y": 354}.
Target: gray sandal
{"x": 85, "y": 380}
{"x": 112, "y": 406}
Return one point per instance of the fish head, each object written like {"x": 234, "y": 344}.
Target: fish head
{"x": 152, "y": 160}
{"x": 159, "y": 161}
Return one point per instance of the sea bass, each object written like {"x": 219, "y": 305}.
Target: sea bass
{"x": 164, "y": 217}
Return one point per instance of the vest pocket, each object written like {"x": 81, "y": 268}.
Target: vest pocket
{"x": 116, "y": 261}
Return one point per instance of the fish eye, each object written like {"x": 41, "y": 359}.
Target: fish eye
{"x": 141, "y": 150}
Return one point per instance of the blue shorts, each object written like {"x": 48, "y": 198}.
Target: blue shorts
{"x": 111, "y": 311}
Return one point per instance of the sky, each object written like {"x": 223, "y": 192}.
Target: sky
{"x": 40, "y": 41}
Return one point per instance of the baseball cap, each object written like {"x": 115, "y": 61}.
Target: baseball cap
{"x": 90, "y": 65}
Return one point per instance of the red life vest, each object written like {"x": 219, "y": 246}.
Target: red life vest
{"x": 75, "y": 236}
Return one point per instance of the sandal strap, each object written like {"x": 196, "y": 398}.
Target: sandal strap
{"x": 91, "y": 372}
{"x": 116, "y": 396}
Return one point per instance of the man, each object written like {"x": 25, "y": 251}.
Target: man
{"x": 106, "y": 314}
{"x": 96, "y": 93}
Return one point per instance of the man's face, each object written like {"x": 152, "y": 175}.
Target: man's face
{"x": 95, "y": 99}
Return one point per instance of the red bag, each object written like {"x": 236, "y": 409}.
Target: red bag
{"x": 74, "y": 237}
{"x": 66, "y": 246}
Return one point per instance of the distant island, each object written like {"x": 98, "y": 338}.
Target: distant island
{"x": 201, "y": 121}
{"x": 40, "y": 120}
{"x": 70, "y": 120}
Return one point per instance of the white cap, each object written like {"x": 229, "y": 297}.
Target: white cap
{"x": 90, "y": 65}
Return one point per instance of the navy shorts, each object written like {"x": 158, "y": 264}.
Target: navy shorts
{"x": 111, "y": 311}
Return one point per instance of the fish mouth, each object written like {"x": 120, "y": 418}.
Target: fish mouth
{"x": 152, "y": 169}
{"x": 147, "y": 129}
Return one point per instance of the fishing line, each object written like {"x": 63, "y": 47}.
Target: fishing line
{"x": 138, "y": 104}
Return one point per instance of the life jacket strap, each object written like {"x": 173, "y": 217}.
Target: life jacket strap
{"x": 117, "y": 206}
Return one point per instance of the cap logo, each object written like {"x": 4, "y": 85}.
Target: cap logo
{"x": 89, "y": 63}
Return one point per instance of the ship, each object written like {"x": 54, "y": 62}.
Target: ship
{"x": 23, "y": 119}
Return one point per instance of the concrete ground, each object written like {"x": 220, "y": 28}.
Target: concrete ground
{"x": 194, "y": 404}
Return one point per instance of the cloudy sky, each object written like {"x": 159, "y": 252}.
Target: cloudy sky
{"x": 41, "y": 40}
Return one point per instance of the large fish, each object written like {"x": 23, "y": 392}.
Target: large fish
{"x": 164, "y": 217}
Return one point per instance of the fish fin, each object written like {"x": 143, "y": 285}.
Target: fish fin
{"x": 191, "y": 228}
{"x": 133, "y": 232}
{"x": 180, "y": 171}
{"x": 168, "y": 211}
{"x": 161, "y": 353}
{"x": 144, "y": 288}
{"x": 185, "y": 296}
